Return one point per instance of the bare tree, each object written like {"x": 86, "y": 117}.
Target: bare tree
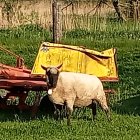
{"x": 117, "y": 9}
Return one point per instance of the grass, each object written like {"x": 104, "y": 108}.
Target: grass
{"x": 23, "y": 41}
{"x": 121, "y": 127}
{"x": 125, "y": 105}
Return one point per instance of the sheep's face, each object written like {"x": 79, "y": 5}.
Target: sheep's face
{"x": 52, "y": 75}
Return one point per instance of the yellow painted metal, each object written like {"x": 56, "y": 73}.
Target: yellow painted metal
{"x": 76, "y": 59}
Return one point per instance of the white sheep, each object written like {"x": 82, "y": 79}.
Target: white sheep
{"x": 75, "y": 90}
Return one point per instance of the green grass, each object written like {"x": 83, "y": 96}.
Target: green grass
{"x": 125, "y": 105}
{"x": 24, "y": 41}
{"x": 121, "y": 127}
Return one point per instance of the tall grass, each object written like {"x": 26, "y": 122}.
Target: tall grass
{"x": 23, "y": 40}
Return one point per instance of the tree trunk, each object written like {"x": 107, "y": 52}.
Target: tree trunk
{"x": 131, "y": 7}
{"x": 116, "y": 7}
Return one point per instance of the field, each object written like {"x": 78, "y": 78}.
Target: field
{"x": 125, "y": 105}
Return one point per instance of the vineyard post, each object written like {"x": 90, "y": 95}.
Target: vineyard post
{"x": 57, "y": 21}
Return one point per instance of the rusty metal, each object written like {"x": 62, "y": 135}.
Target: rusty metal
{"x": 18, "y": 82}
{"x": 19, "y": 60}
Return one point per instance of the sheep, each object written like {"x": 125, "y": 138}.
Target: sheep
{"x": 75, "y": 90}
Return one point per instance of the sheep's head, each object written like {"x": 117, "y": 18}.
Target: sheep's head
{"x": 52, "y": 73}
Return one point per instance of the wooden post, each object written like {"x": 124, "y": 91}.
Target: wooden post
{"x": 136, "y": 10}
{"x": 57, "y": 26}
{"x": 132, "y": 9}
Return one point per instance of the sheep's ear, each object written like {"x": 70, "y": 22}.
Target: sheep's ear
{"x": 44, "y": 68}
{"x": 59, "y": 66}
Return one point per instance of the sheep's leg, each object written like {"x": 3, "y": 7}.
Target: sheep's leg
{"x": 94, "y": 111}
{"x": 61, "y": 109}
{"x": 107, "y": 111}
{"x": 69, "y": 106}
{"x": 56, "y": 112}
{"x": 61, "y": 113}
{"x": 108, "y": 114}
{"x": 69, "y": 113}
{"x": 104, "y": 106}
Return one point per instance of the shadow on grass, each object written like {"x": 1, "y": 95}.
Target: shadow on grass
{"x": 129, "y": 106}
{"x": 45, "y": 109}
{"x": 16, "y": 115}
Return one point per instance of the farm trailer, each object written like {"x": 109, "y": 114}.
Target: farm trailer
{"x": 18, "y": 81}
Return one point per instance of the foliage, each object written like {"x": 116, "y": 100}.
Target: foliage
{"x": 23, "y": 40}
